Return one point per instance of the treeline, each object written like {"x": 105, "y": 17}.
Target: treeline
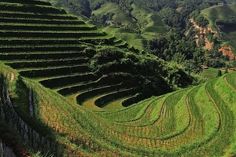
{"x": 182, "y": 50}
{"x": 153, "y": 75}
{"x": 77, "y": 7}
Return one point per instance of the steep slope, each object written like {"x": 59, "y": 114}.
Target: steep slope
{"x": 197, "y": 121}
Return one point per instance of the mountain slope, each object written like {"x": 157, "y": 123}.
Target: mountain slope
{"x": 136, "y": 21}
{"x": 68, "y": 89}
{"x": 188, "y": 122}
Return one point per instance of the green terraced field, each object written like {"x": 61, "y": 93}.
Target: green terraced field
{"x": 210, "y": 73}
{"x": 46, "y": 52}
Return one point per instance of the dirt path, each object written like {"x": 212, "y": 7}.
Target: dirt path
{"x": 202, "y": 34}
{"x": 227, "y": 51}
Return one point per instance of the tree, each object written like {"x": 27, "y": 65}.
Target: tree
{"x": 226, "y": 70}
{"x": 202, "y": 21}
{"x": 219, "y": 73}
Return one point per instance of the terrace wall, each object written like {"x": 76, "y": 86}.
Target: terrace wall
{"x": 5, "y": 151}
{"x": 30, "y": 137}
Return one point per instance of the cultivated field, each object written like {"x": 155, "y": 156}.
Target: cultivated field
{"x": 46, "y": 51}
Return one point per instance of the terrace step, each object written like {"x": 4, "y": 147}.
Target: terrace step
{"x": 40, "y": 55}
{"x": 40, "y": 21}
{"x": 18, "y": 14}
{"x": 51, "y": 34}
{"x": 31, "y": 2}
{"x": 98, "y": 91}
{"x": 95, "y": 40}
{"x": 47, "y": 63}
{"x": 75, "y": 88}
{"x": 35, "y": 42}
{"x": 39, "y": 48}
{"x": 83, "y": 58}
{"x": 132, "y": 100}
{"x": 55, "y": 71}
{"x": 122, "y": 45}
{"x": 30, "y": 8}
{"x": 62, "y": 81}
{"x": 32, "y": 42}
{"x": 20, "y": 27}
{"x": 118, "y": 41}
{"x": 105, "y": 100}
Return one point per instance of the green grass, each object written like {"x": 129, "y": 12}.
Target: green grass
{"x": 209, "y": 73}
{"x": 198, "y": 121}
{"x": 223, "y": 86}
{"x": 62, "y": 116}
{"x": 219, "y": 13}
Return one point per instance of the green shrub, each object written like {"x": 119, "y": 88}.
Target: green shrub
{"x": 150, "y": 73}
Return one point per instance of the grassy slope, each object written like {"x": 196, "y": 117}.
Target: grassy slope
{"x": 219, "y": 13}
{"x": 66, "y": 118}
{"x": 222, "y": 13}
{"x": 209, "y": 73}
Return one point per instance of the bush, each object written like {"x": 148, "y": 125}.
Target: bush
{"x": 202, "y": 21}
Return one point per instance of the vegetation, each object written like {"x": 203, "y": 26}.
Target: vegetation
{"x": 85, "y": 93}
{"x": 223, "y": 19}
{"x": 210, "y": 73}
{"x": 180, "y": 49}
{"x": 143, "y": 23}
{"x": 142, "y": 121}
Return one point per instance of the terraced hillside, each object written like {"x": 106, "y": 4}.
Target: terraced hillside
{"x": 46, "y": 44}
{"x": 197, "y": 121}
{"x": 56, "y": 104}
{"x": 129, "y": 20}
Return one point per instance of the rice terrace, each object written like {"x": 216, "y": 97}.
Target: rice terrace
{"x": 117, "y": 78}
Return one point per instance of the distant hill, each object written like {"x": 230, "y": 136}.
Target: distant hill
{"x": 222, "y": 18}
{"x": 134, "y": 26}
{"x": 125, "y": 19}
{"x": 135, "y": 21}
